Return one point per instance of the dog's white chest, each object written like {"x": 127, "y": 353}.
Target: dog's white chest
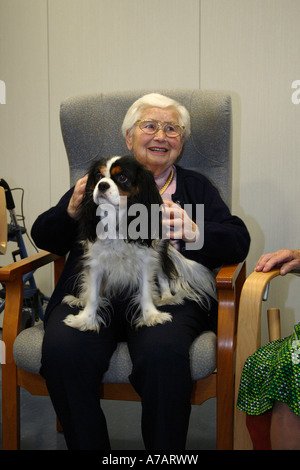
{"x": 120, "y": 261}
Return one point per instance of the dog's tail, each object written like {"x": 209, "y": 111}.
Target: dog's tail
{"x": 195, "y": 280}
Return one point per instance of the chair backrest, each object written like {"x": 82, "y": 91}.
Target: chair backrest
{"x": 91, "y": 128}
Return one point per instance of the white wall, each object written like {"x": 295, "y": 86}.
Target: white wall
{"x": 50, "y": 49}
{"x": 25, "y": 150}
{"x": 253, "y": 48}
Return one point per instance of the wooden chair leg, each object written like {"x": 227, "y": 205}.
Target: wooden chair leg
{"x": 10, "y": 390}
{"x": 225, "y": 394}
{"x": 10, "y": 410}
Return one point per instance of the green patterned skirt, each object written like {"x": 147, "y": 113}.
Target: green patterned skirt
{"x": 271, "y": 374}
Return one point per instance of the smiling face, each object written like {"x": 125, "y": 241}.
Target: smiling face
{"x": 156, "y": 152}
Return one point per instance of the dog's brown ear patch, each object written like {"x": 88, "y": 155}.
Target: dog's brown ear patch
{"x": 116, "y": 169}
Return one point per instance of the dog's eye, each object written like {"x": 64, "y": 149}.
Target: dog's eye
{"x": 98, "y": 175}
{"x": 122, "y": 178}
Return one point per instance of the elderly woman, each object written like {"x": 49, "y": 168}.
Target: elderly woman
{"x": 73, "y": 362}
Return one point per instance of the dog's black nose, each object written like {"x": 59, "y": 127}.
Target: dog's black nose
{"x": 103, "y": 186}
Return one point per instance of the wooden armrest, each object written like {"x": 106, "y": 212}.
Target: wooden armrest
{"x": 229, "y": 282}
{"x": 249, "y": 339}
{"x": 250, "y": 312}
{"x": 31, "y": 263}
{"x": 12, "y": 275}
{"x": 228, "y": 275}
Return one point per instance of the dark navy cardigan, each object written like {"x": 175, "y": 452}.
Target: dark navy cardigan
{"x": 226, "y": 238}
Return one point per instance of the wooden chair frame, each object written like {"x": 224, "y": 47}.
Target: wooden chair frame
{"x": 220, "y": 384}
{"x": 249, "y": 340}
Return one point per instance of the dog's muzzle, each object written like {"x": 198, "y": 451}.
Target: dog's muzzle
{"x": 106, "y": 190}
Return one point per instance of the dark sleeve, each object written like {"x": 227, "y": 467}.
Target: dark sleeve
{"x": 226, "y": 238}
{"x": 55, "y": 230}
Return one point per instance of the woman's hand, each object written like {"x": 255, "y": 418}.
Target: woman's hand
{"x": 73, "y": 207}
{"x": 178, "y": 223}
{"x": 286, "y": 259}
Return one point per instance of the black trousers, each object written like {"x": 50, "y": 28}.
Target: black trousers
{"x": 73, "y": 364}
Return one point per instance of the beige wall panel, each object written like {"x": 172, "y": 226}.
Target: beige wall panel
{"x": 24, "y": 122}
{"x": 252, "y": 49}
{"x": 51, "y": 49}
{"x": 24, "y": 119}
{"x": 100, "y": 45}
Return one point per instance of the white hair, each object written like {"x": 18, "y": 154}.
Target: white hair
{"x": 155, "y": 100}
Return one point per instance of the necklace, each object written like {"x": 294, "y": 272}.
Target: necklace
{"x": 167, "y": 183}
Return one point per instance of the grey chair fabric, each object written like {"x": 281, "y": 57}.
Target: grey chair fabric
{"x": 91, "y": 128}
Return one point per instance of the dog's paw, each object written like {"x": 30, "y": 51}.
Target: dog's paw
{"x": 152, "y": 319}
{"x": 83, "y": 322}
{"x": 170, "y": 299}
{"x": 73, "y": 301}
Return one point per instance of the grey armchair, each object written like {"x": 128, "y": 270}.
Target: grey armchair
{"x": 91, "y": 128}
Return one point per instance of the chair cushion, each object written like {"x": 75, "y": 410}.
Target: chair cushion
{"x": 27, "y": 353}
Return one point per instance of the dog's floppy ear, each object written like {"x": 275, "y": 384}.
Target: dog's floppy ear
{"x": 88, "y": 217}
{"x": 148, "y": 195}
{"x": 147, "y": 190}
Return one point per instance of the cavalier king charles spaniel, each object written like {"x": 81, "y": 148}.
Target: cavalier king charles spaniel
{"x": 125, "y": 254}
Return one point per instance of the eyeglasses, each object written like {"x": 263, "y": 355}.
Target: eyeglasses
{"x": 151, "y": 126}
